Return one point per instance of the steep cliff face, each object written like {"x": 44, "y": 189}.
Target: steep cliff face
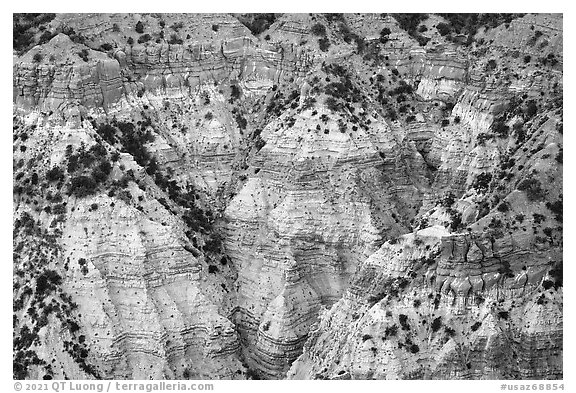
{"x": 444, "y": 306}
{"x": 193, "y": 199}
{"x": 302, "y": 224}
{"x": 143, "y": 298}
{"x": 454, "y": 306}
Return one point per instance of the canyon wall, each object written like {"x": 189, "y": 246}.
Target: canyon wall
{"x": 204, "y": 200}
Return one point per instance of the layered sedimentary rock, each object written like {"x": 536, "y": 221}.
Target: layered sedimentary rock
{"x": 180, "y": 69}
{"x": 384, "y": 206}
{"x": 60, "y": 79}
{"x": 147, "y": 305}
{"x": 441, "y": 305}
{"x": 479, "y": 300}
{"x": 305, "y": 221}
{"x": 146, "y": 300}
{"x": 162, "y": 69}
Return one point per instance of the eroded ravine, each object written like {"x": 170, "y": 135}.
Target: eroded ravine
{"x": 213, "y": 201}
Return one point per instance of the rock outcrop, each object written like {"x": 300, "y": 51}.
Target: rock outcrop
{"x": 443, "y": 306}
{"x": 333, "y": 196}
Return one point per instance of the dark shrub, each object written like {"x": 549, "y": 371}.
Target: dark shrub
{"x": 241, "y": 121}
{"x": 410, "y": 22}
{"x": 448, "y": 200}
{"x": 456, "y": 220}
{"x": 531, "y": 109}
{"x": 213, "y": 244}
{"x": 390, "y": 331}
{"x": 538, "y": 218}
{"x": 491, "y": 65}
{"x": 59, "y": 209}
{"x": 557, "y": 273}
{"x": 503, "y": 207}
{"x": 319, "y": 29}
{"x": 443, "y": 28}
{"x": 45, "y": 37}
{"x": 101, "y": 172}
{"x": 234, "y": 92}
{"x": 482, "y": 137}
{"x": 47, "y": 282}
{"x": 55, "y": 174}
{"x": 547, "y": 284}
{"x": 500, "y": 128}
{"x": 324, "y": 44}
{"x": 560, "y": 156}
{"x": 139, "y": 27}
{"x": 332, "y": 104}
{"x": 174, "y": 39}
{"x": 107, "y": 132}
{"x": 82, "y": 186}
{"x": 144, "y": 38}
{"x": 404, "y": 321}
{"x": 557, "y": 209}
{"x": 422, "y": 41}
{"x": 385, "y": 31}
{"x": 257, "y": 23}
{"x": 503, "y": 314}
{"x": 403, "y": 88}
{"x": 482, "y": 182}
{"x": 177, "y": 26}
{"x": 83, "y": 54}
{"x": 436, "y": 324}
{"x": 533, "y": 189}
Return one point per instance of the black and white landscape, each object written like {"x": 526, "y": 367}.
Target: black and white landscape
{"x": 287, "y": 196}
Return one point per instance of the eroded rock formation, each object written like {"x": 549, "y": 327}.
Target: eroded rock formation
{"x": 310, "y": 196}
